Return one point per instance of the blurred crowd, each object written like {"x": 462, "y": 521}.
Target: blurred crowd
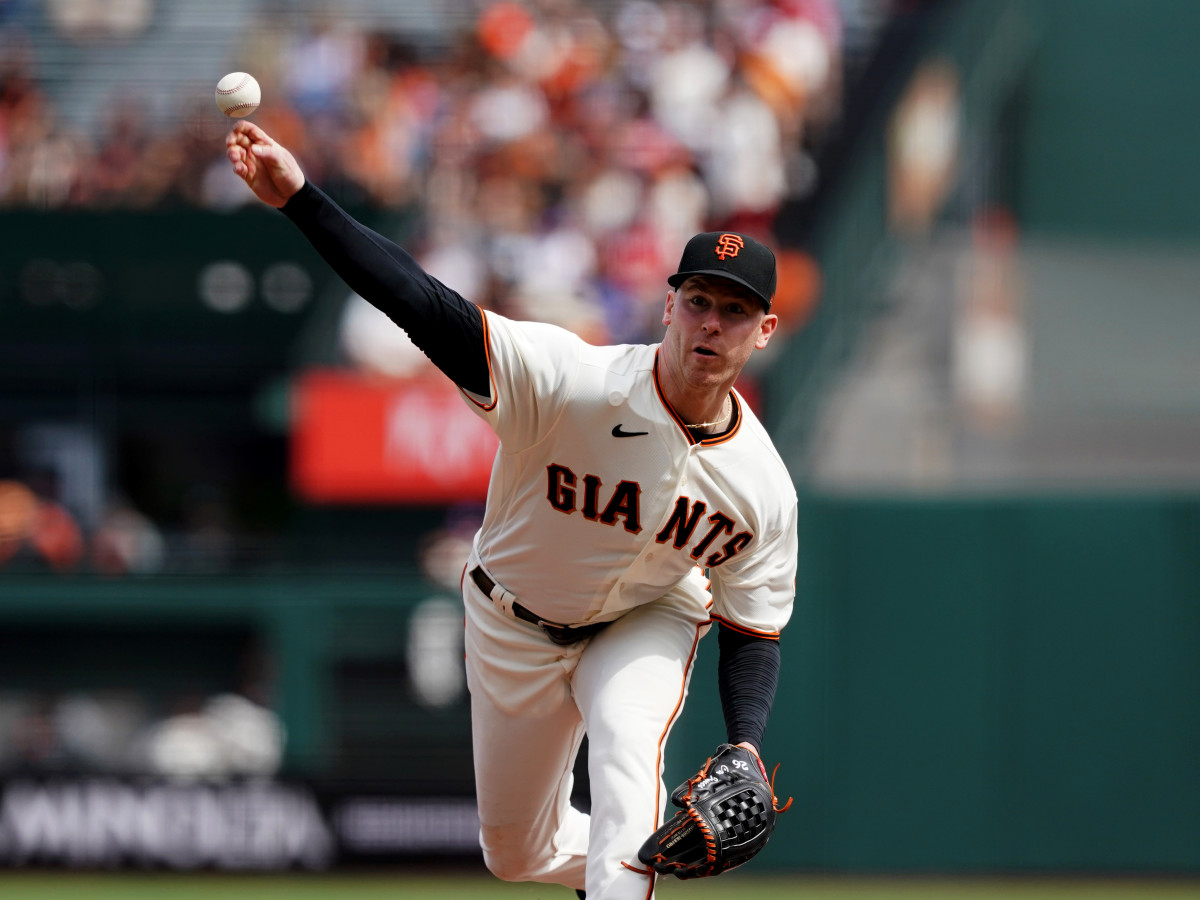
{"x": 560, "y": 152}
{"x": 43, "y": 531}
{"x": 557, "y": 154}
{"x": 120, "y": 731}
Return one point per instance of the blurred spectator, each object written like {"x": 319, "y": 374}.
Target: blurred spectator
{"x": 33, "y": 739}
{"x": 98, "y": 729}
{"x": 443, "y": 552}
{"x": 94, "y": 20}
{"x": 228, "y": 735}
{"x": 394, "y": 104}
{"x": 38, "y": 165}
{"x": 991, "y": 352}
{"x": 745, "y": 162}
{"x": 923, "y": 151}
{"x": 114, "y": 178}
{"x": 114, "y": 731}
{"x": 57, "y": 537}
{"x": 208, "y": 541}
{"x": 127, "y": 542}
{"x": 794, "y": 50}
{"x": 321, "y": 64}
{"x": 37, "y": 530}
{"x": 436, "y": 675}
{"x": 374, "y": 344}
{"x": 688, "y": 78}
{"x": 18, "y": 510}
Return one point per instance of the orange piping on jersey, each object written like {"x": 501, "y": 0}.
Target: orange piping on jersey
{"x": 671, "y": 719}
{"x": 742, "y": 629}
{"x": 661, "y": 740}
{"x": 737, "y": 424}
{"x": 691, "y": 439}
{"x": 667, "y": 406}
{"x": 487, "y": 349}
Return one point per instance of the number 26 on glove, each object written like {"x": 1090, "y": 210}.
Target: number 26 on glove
{"x": 727, "y": 812}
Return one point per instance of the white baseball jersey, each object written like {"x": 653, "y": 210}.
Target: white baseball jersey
{"x": 601, "y": 499}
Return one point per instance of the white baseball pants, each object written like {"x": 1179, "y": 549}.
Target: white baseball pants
{"x": 531, "y": 703}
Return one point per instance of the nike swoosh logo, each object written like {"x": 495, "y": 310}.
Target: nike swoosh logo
{"x": 617, "y": 432}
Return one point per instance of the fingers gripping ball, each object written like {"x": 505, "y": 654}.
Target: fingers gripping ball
{"x": 238, "y": 94}
{"x": 728, "y": 813}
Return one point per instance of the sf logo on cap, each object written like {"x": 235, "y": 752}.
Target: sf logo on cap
{"x": 729, "y": 245}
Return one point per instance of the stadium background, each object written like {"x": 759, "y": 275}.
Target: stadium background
{"x": 227, "y": 572}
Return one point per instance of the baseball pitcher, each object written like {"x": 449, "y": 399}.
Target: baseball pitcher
{"x": 635, "y": 501}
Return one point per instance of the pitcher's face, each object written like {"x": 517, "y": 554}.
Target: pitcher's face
{"x": 713, "y": 326}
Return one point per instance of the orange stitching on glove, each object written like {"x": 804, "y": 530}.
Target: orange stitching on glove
{"x": 697, "y": 778}
{"x": 710, "y": 839}
{"x": 774, "y": 799}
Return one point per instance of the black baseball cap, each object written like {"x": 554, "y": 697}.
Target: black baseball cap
{"x": 731, "y": 255}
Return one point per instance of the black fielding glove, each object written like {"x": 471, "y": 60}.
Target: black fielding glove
{"x": 728, "y": 811}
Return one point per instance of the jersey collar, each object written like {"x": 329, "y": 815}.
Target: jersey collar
{"x": 711, "y": 441}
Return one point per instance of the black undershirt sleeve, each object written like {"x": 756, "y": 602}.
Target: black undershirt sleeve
{"x": 441, "y": 322}
{"x": 747, "y": 674}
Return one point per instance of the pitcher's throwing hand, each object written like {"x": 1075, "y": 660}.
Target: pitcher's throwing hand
{"x": 267, "y": 167}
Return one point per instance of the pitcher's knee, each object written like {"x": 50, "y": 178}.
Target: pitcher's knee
{"x": 508, "y": 855}
{"x": 507, "y": 867}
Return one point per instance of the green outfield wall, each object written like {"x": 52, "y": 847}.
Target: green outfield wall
{"x": 969, "y": 684}
{"x": 1106, "y": 139}
{"x": 986, "y": 684}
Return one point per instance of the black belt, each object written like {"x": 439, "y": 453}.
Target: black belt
{"x": 559, "y": 634}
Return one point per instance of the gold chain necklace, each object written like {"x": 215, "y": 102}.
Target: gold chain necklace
{"x": 726, "y": 412}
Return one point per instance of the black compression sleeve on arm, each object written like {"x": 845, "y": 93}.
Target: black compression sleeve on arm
{"x": 447, "y": 328}
{"x": 747, "y": 674}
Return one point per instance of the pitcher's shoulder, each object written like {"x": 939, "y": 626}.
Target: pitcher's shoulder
{"x": 759, "y": 450}
{"x": 620, "y": 358}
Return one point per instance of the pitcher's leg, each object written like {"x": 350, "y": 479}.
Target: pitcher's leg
{"x": 525, "y": 732}
{"x": 528, "y": 829}
{"x": 630, "y": 686}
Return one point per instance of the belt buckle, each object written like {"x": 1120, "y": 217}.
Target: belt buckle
{"x": 558, "y": 634}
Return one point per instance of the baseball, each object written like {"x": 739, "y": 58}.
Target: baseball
{"x": 238, "y": 94}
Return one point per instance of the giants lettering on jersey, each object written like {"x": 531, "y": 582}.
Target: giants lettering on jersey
{"x": 622, "y": 504}
{"x": 625, "y": 504}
